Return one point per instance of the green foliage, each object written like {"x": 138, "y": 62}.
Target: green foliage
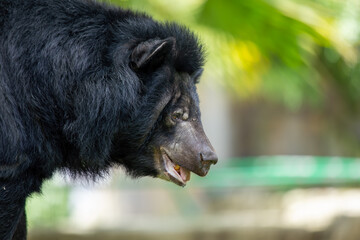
{"x": 287, "y": 36}
{"x": 275, "y": 34}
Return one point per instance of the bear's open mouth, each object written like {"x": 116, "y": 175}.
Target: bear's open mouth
{"x": 174, "y": 172}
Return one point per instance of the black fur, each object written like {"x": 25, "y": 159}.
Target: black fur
{"x": 70, "y": 98}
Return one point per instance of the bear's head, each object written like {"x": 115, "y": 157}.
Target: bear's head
{"x": 166, "y": 137}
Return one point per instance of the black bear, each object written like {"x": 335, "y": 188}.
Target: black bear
{"x": 85, "y": 86}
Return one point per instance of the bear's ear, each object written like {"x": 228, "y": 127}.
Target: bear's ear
{"x": 151, "y": 53}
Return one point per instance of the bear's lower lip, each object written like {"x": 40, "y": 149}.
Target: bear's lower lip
{"x": 173, "y": 172}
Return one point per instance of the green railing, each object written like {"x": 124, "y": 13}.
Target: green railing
{"x": 283, "y": 171}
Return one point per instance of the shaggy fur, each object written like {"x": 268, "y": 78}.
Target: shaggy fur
{"x": 69, "y": 98}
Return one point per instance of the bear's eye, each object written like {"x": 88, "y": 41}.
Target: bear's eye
{"x": 176, "y": 116}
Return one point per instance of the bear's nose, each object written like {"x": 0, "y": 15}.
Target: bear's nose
{"x": 208, "y": 158}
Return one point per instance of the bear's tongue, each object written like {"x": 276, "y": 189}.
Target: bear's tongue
{"x": 184, "y": 174}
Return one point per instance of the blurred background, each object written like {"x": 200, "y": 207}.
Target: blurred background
{"x": 280, "y": 102}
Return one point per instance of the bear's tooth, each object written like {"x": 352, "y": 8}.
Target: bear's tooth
{"x": 177, "y": 168}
